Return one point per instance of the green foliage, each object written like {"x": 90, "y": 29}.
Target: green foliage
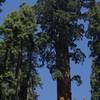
{"x": 58, "y": 21}
{"x": 57, "y": 74}
{"x": 94, "y": 44}
{"x": 77, "y": 78}
{"x": 95, "y": 81}
{"x": 7, "y": 85}
{"x": 18, "y": 75}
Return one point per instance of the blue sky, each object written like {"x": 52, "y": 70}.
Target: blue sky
{"x": 48, "y": 92}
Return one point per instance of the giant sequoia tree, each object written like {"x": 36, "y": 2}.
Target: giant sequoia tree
{"x": 18, "y": 76}
{"x": 58, "y": 21}
{"x": 94, "y": 43}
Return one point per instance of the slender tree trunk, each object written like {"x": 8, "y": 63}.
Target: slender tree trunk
{"x": 23, "y": 94}
{"x": 24, "y": 85}
{"x": 62, "y": 62}
{"x": 18, "y": 72}
{"x": 5, "y": 59}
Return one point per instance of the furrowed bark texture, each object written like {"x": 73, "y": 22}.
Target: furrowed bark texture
{"x": 62, "y": 57}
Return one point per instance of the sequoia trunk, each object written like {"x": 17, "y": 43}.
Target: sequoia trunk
{"x": 62, "y": 63}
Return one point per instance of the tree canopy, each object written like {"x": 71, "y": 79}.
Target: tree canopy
{"x": 18, "y": 75}
{"x": 58, "y": 20}
{"x": 23, "y": 49}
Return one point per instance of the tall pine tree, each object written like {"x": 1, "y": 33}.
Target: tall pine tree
{"x": 60, "y": 30}
{"x": 18, "y": 56}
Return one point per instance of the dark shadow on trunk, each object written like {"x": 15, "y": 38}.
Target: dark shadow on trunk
{"x": 62, "y": 63}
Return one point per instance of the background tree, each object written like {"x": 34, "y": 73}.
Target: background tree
{"x": 58, "y": 21}
{"x": 94, "y": 44}
{"x": 18, "y": 56}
